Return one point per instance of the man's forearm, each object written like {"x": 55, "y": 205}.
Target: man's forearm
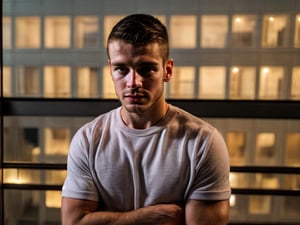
{"x": 78, "y": 212}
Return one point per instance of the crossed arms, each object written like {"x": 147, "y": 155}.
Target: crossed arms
{"x": 195, "y": 212}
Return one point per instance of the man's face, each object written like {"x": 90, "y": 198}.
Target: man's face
{"x": 138, "y": 74}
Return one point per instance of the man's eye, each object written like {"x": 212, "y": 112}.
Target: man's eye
{"x": 146, "y": 70}
{"x": 121, "y": 70}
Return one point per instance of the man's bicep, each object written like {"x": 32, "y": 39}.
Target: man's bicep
{"x": 73, "y": 210}
{"x": 199, "y": 212}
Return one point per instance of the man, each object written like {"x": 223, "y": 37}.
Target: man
{"x": 146, "y": 162}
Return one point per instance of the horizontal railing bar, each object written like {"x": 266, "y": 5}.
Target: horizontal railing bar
{"x": 267, "y": 109}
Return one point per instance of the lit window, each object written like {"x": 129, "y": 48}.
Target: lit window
{"x": 53, "y": 199}
{"x": 214, "y": 31}
{"x": 57, "y": 32}
{"x": 6, "y": 81}
{"x": 107, "y": 84}
{"x": 212, "y": 82}
{"x": 292, "y": 150}
{"x": 6, "y": 26}
{"x": 265, "y": 149}
{"x": 28, "y": 81}
{"x": 266, "y": 181}
{"x": 183, "y": 31}
{"x": 86, "y": 31}
{"x": 243, "y": 31}
{"x": 275, "y": 31}
{"x": 242, "y": 83}
{"x": 57, "y": 141}
{"x": 28, "y": 32}
{"x": 109, "y": 22}
{"x": 271, "y": 82}
{"x": 297, "y": 32}
{"x": 87, "y": 82}
{"x": 236, "y": 142}
{"x": 295, "y": 84}
{"x": 260, "y": 205}
{"x": 182, "y": 83}
{"x": 57, "y": 81}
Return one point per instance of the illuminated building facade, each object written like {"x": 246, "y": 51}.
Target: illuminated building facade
{"x": 241, "y": 52}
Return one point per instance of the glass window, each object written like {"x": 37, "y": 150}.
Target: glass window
{"x": 28, "y": 32}
{"x": 107, "y": 84}
{"x": 271, "y": 82}
{"x": 275, "y": 31}
{"x": 32, "y": 207}
{"x": 57, "y": 81}
{"x": 242, "y": 82}
{"x": 21, "y": 143}
{"x": 260, "y": 205}
{"x": 244, "y": 31}
{"x": 182, "y": 83}
{"x": 57, "y": 32}
{"x": 292, "y": 150}
{"x": 290, "y": 207}
{"x": 297, "y": 32}
{"x": 214, "y": 31}
{"x": 236, "y": 142}
{"x": 212, "y": 82}
{"x": 183, "y": 31}
{"x": 86, "y": 31}
{"x": 6, "y": 29}
{"x": 109, "y": 22}
{"x": 266, "y": 181}
{"x": 28, "y": 81}
{"x": 57, "y": 141}
{"x": 87, "y": 82}
{"x": 6, "y": 81}
{"x": 295, "y": 84}
{"x": 265, "y": 149}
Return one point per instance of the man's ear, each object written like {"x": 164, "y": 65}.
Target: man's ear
{"x": 168, "y": 70}
{"x": 109, "y": 65}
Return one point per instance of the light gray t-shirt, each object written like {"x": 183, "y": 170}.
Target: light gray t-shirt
{"x": 180, "y": 158}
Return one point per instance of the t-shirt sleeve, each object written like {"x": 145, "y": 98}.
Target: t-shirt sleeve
{"x": 79, "y": 182}
{"x": 211, "y": 181}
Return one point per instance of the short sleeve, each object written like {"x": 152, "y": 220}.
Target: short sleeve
{"x": 79, "y": 182}
{"x": 211, "y": 180}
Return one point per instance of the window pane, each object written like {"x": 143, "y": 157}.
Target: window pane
{"x": 183, "y": 31}
{"x": 271, "y": 82}
{"x": 7, "y": 81}
{"x": 182, "y": 83}
{"x": 275, "y": 31}
{"x": 109, "y": 22}
{"x": 236, "y": 142}
{"x": 28, "y": 81}
{"x": 32, "y": 207}
{"x": 86, "y": 31}
{"x": 295, "y": 84}
{"x": 242, "y": 83}
{"x": 214, "y": 31}
{"x": 6, "y": 26}
{"x": 87, "y": 82}
{"x": 265, "y": 149}
{"x": 34, "y": 176}
{"x": 107, "y": 84}
{"x": 260, "y": 205}
{"x": 57, "y": 81}
{"x": 243, "y": 31}
{"x": 57, "y": 32}
{"x": 28, "y": 31}
{"x": 292, "y": 150}
{"x": 297, "y": 32}
{"x": 212, "y": 82}
{"x": 57, "y": 141}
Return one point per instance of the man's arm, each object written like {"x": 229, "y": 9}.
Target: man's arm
{"x": 82, "y": 212}
{"x": 206, "y": 212}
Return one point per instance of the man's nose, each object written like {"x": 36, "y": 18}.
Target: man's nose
{"x": 134, "y": 79}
